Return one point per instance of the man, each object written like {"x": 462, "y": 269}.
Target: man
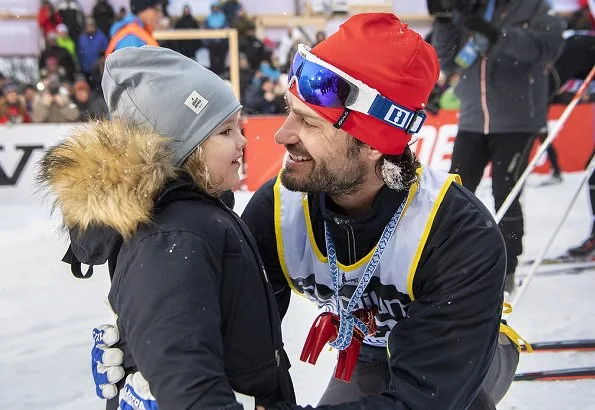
{"x": 503, "y": 49}
{"x": 91, "y": 106}
{"x": 438, "y": 287}
{"x": 53, "y": 104}
{"x": 104, "y": 15}
{"x": 412, "y": 281}
{"x": 67, "y": 43}
{"x": 187, "y": 22}
{"x": 135, "y": 29}
{"x": 55, "y": 58}
{"x": 73, "y": 17}
{"x": 91, "y": 46}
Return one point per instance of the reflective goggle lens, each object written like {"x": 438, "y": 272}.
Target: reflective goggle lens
{"x": 318, "y": 85}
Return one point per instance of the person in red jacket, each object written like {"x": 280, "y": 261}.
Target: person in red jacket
{"x": 12, "y": 107}
{"x": 48, "y": 18}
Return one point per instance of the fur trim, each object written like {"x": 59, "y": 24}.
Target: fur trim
{"x": 107, "y": 173}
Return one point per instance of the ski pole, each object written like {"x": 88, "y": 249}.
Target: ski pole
{"x": 537, "y": 262}
{"x": 557, "y": 375}
{"x": 551, "y": 136}
{"x": 578, "y": 345}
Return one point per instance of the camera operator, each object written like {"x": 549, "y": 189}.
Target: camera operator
{"x": 503, "y": 50}
{"x": 53, "y": 104}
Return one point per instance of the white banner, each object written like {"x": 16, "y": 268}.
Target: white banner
{"x": 21, "y": 148}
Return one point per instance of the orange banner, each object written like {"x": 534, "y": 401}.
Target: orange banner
{"x": 263, "y": 157}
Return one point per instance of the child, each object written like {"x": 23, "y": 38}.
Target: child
{"x": 196, "y": 314}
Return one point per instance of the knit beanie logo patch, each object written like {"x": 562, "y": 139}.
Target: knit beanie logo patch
{"x": 196, "y": 102}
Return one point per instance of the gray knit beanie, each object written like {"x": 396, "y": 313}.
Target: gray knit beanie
{"x": 173, "y": 94}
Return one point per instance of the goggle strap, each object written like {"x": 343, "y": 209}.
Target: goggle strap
{"x": 342, "y": 118}
{"x": 396, "y": 115}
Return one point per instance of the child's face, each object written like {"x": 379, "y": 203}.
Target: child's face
{"x": 223, "y": 151}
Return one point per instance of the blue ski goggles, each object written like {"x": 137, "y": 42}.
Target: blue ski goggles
{"x": 321, "y": 84}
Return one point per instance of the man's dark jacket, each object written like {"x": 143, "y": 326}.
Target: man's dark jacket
{"x": 442, "y": 351}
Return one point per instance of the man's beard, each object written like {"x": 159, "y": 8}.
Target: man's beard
{"x": 342, "y": 180}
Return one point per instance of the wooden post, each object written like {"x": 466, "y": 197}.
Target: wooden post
{"x": 230, "y": 34}
{"x": 234, "y": 62}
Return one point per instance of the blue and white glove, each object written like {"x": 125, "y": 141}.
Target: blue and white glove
{"x": 106, "y": 361}
{"x": 136, "y": 394}
{"x": 107, "y": 371}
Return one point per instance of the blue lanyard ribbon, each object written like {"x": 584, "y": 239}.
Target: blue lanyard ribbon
{"x": 347, "y": 321}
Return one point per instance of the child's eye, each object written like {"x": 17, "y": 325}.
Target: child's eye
{"x": 226, "y": 131}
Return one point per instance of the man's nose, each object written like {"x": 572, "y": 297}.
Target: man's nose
{"x": 287, "y": 134}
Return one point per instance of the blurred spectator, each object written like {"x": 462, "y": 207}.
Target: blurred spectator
{"x": 135, "y": 29}
{"x": 52, "y": 70}
{"x": 290, "y": 40}
{"x": 269, "y": 71}
{"x": 246, "y": 73}
{"x": 73, "y": 16}
{"x": 320, "y": 36}
{"x": 187, "y": 22}
{"x": 503, "y": 57}
{"x": 66, "y": 42}
{"x": 242, "y": 22}
{"x": 104, "y": 16}
{"x": 53, "y": 104}
{"x": 29, "y": 93}
{"x": 90, "y": 105}
{"x": 92, "y": 45}
{"x": 12, "y": 106}
{"x": 121, "y": 14}
{"x": 95, "y": 77}
{"x": 55, "y": 59}
{"x": 48, "y": 18}
{"x": 260, "y": 98}
{"x": 217, "y": 47}
{"x": 582, "y": 19}
{"x": 231, "y": 9}
{"x": 254, "y": 49}
{"x": 3, "y": 82}
{"x": 164, "y": 6}
{"x": 573, "y": 65}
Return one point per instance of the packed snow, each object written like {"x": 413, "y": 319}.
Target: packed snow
{"x": 46, "y": 315}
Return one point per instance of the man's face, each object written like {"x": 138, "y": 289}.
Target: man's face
{"x": 12, "y": 97}
{"x": 30, "y": 93}
{"x": 81, "y": 95}
{"x": 320, "y": 157}
{"x": 151, "y": 16}
{"x": 90, "y": 28}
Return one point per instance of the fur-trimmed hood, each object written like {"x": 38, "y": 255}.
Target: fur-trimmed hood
{"x": 107, "y": 173}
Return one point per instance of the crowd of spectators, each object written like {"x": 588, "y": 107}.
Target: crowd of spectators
{"x": 71, "y": 61}
{"x": 72, "y": 58}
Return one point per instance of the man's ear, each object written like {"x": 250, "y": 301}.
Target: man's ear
{"x": 372, "y": 153}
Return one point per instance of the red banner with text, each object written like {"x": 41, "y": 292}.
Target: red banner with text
{"x": 263, "y": 157}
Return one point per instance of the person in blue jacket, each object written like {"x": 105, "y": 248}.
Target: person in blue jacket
{"x": 91, "y": 46}
{"x": 135, "y": 29}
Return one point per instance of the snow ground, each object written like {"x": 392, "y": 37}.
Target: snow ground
{"x": 46, "y": 315}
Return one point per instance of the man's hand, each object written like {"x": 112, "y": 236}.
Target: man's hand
{"x": 106, "y": 361}
{"x": 477, "y": 24}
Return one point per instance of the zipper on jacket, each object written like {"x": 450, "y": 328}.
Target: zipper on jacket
{"x": 484, "y": 96}
{"x": 344, "y": 223}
